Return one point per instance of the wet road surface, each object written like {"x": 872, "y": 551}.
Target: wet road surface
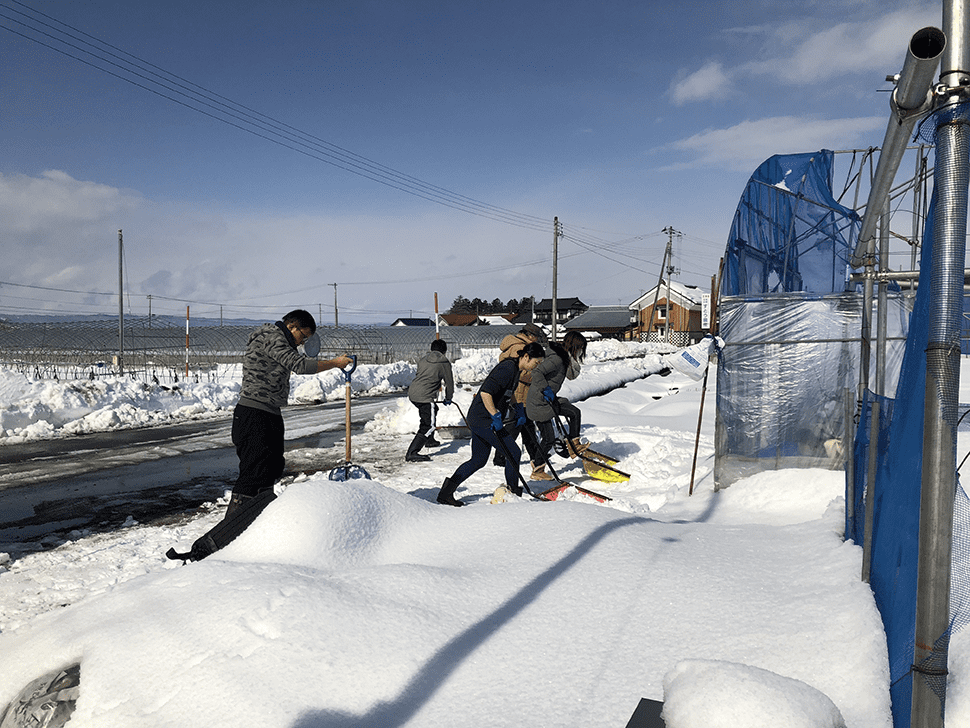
{"x": 97, "y": 482}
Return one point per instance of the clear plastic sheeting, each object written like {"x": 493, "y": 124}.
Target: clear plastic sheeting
{"x": 783, "y": 377}
{"x": 789, "y": 233}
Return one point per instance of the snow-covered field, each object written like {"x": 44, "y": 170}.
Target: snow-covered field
{"x": 364, "y": 603}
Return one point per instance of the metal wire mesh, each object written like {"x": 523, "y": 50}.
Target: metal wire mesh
{"x": 164, "y": 352}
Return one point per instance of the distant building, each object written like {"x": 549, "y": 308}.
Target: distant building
{"x": 677, "y": 320}
{"x": 615, "y": 322}
{"x": 566, "y": 309}
{"x": 413, "y": 322}
{"x": 471, "y": 319}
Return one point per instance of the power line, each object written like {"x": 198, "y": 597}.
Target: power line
{"x": 172, "y": 87}
{"x": 74, "y": 43}
{"x": 56, "y": 290}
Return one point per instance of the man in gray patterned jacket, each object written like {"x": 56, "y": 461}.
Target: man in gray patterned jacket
{"x": 257, "y": 422}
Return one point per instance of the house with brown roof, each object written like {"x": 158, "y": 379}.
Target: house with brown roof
{"x": 669, "y": 312}
{"x": 471, "y": 319}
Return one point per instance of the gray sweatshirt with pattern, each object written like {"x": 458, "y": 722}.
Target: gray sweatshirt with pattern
{"x": 271, "y": 355}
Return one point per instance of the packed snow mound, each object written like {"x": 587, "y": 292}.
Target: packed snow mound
{"x": 357, "y": 604}
{"x": 308, "y": 526}
{"x": 809, "y": 494}
{"x": 715, "y": 694}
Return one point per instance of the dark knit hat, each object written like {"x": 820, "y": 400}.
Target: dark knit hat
{"x": 533, "y": 330}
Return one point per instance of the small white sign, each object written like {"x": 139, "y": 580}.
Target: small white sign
{"x": 706, "y": 311}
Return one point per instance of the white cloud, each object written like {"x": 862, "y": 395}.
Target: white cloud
{"x": 62, "y": 233}
{"x": 876, "y": 46}
{"x": 55, "y": 197}
{"x": 810, "y": 51}
{"x": 744, "y": 146}
{"x": 709, "y": 82}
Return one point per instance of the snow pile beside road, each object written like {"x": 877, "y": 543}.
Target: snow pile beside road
{"x": 38, "y": 409}
{"x": 35, "y": 409}
{"x": 597, "y": 378}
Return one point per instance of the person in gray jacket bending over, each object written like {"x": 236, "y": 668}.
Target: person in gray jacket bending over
{"x": 257, "y": 422}
{"x": 433, "y": 369}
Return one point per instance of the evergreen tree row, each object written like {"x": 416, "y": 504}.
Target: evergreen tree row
{"x": 479, "y": 307}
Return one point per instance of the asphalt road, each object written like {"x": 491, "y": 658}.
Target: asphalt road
{"x": 97, "y": 482}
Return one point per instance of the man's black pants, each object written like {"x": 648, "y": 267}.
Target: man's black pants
{"x": 258, "y": 437}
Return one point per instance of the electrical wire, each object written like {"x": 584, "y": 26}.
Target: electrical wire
{"x": 151, "y": 78}
{"x": 89, "y": 50}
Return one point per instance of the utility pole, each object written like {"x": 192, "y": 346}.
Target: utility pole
{"x": 555, "y": 271}
{"x": 336, "y": 322}
{"x": 651, "y": 320}
{"x": 121, "y": 307}
{"x": 669, "y": 256}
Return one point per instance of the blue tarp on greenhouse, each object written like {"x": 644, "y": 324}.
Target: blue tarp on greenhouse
{"x": 789, "y": 233}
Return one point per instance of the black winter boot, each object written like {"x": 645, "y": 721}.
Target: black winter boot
{"x": 414, "y": 455}
{"x": 446, "y": 496}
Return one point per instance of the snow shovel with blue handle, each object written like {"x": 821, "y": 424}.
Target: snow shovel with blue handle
{"x": 348, "y": 471}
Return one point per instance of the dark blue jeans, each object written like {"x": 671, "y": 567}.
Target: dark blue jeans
{"x": 483, "y": 440}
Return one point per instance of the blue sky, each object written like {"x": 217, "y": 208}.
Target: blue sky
{"x": 620, "y": 118}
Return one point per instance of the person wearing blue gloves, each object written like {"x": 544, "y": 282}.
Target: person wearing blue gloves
{"x": 433, "y": 370}
{"x": 485, "y": 421}
{"x": 542, "y": 403}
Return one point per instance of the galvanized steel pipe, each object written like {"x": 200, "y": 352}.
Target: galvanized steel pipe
{"x": 938, "y": 479}
{"x": 911, "y": 99}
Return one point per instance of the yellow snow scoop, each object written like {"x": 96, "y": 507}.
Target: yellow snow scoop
{"x": 602, "y": 470}
{"x": 595, "y": 464}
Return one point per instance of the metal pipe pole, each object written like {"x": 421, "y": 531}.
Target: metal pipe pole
{"x": 910, "y": 100}
{"x": 715, "y": 289}
{"x": 882, "y": 298}
{"x": 938, "y": 478}
{"x": 879, "y": 390}
{"x": 864, "y": 365}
